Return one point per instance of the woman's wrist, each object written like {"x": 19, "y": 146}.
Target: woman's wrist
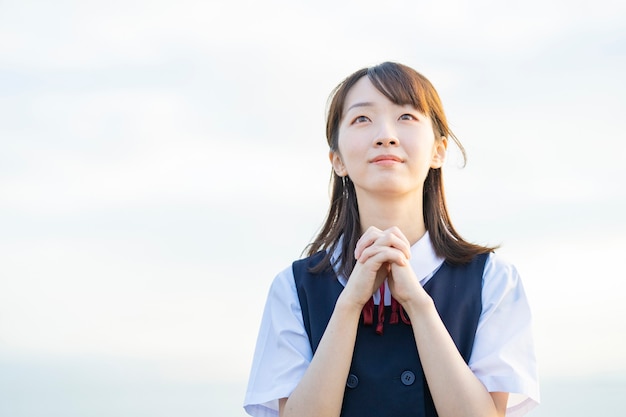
{"x": 417, "y": 308}
{"x": 346, "y": 305}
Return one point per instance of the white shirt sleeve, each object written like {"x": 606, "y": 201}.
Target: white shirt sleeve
{"x": 503, "y": 357}
{"x": 282, "y": 352}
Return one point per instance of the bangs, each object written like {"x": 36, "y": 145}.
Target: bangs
{"x": 400, "y": 85}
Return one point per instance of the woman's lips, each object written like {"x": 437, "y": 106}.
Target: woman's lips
{"x": 386, "y": 159}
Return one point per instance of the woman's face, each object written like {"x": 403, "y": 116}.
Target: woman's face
{"x": 386, "y": 149}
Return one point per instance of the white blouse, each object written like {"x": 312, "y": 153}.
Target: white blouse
{"x": 503, "y": 356}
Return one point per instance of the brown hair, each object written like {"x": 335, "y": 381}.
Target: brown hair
{"x": 402, "y": 85}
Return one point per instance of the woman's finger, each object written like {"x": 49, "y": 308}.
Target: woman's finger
{"x": 367, "y": 239}
{"x": 381, "y": 254}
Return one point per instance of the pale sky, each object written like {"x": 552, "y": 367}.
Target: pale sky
{"x": 161, "y": 162}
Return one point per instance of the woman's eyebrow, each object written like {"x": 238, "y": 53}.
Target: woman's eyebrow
{"x": 361, "y": 104}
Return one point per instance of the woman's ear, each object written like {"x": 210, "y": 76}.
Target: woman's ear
{"x": 338, "y": 166}
{"x": 439, "y": 152}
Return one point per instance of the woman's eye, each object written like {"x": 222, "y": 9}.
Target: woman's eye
{"x": 361, "y": 119}
{"x": 408, "y": 116}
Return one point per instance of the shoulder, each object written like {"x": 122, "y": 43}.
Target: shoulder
{"x": 496, "y": 264}
{"x": 309, "y": 261}
{"x": 500, "y": 272}
{"x": 502, "y": 286}
{"x": 283, "y": 286}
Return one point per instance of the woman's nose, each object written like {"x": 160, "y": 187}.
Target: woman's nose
{"x": 387, "y": 141}
{"x": 387, "y": 136}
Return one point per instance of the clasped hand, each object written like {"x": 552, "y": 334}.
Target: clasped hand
{"x": 383, "y": 254}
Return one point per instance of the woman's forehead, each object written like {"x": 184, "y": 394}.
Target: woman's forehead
{"x": 364, "y": 93}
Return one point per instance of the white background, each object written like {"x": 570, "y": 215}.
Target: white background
{"x": 161, "y": 161}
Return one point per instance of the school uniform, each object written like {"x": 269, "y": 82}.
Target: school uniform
{"x": 486, "y": 314}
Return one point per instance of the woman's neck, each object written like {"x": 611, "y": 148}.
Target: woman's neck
{"x": 404, "y": 212}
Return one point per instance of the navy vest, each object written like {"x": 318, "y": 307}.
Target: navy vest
{"x": 386, "y": 377}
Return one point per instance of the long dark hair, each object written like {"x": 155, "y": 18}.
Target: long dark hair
{"x": 402, "y": 85}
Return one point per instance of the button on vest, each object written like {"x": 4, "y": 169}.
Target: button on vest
{"x": 407, "y": 378}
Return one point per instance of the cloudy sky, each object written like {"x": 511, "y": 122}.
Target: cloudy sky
{"x": 161, "y": 161}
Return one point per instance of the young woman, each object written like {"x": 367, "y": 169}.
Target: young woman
{"x": 392, "y": 313}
